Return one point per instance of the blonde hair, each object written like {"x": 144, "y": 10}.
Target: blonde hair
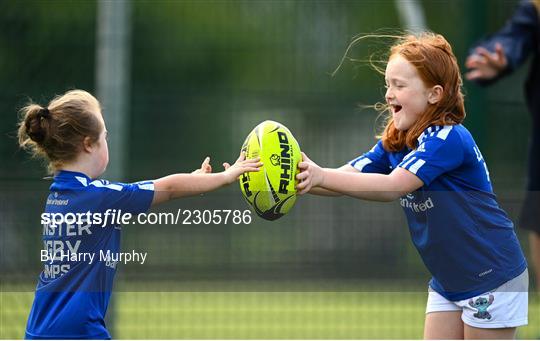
{"x": 56, "y": 132}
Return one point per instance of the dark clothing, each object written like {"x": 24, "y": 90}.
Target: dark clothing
{"x": 520, "y": 37}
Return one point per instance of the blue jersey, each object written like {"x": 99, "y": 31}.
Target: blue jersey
{"x": 73, "y": 292}
{"x": 464, "y": 238}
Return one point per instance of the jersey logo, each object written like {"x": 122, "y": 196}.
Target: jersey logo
{"x": 481, "y": 304}
{"x": 417, "y": 207}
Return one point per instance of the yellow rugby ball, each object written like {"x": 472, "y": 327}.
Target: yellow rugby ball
{"x": 271, "y": 191}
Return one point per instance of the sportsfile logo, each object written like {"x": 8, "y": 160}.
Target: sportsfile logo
{"x": 408, "y": 202}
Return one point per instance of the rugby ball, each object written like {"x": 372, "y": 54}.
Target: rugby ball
{"x": 271, "y": 191}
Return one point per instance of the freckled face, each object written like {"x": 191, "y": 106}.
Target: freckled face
{"x": 406, "y": 93}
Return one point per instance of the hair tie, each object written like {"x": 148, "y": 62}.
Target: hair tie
{"x": 44, "y": 112}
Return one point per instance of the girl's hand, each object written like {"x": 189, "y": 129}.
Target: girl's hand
{"x": 311, "y": 175}
{"x": 240, "y": 167}
{"x": 485, "y": 65}
{"x": 206, "y": 167}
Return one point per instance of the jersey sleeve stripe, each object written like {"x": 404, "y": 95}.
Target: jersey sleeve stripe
{"x": 98, "y": 183}
{"x": 146, "y": 186}
{"x": 408, "y": 155}
{"x": 421, "y": 137}
{"x": 416, "y": 166}
{"x": 406, "y": 164}
{"x": 430, "y": 132}
{"x": 82, "y": 180}
{"x": 359, "y": 164}
{"x": 443, "y": 134}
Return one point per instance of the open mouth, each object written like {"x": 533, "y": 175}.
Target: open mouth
{"x": 396, "y": 108}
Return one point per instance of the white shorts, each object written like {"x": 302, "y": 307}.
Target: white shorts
{"x": 504, "y": 307}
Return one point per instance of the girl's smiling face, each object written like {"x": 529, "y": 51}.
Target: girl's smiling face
{"x": 406, "y": 93}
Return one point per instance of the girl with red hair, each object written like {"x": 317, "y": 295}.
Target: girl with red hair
{"x": 429, "y": 161}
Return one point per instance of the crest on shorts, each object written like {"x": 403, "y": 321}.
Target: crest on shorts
{"x": 481, "y": 304}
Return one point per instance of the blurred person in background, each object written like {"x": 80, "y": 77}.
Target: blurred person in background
{"x": 497, "y": 56}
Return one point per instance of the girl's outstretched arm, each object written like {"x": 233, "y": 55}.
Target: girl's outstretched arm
{"x": 377, "y": 187}
{"x": 327, "y": 193}
{"x": 185, "y": 184}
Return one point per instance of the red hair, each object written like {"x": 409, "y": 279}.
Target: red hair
{"x": 432, "y": 57}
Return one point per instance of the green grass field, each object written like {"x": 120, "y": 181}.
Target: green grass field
{"x": 258, "y": 315}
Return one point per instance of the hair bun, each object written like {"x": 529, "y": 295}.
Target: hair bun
{"x": 44, "y": 112}
{"x": 35, "y": 125}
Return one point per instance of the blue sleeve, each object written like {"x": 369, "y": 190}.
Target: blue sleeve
{"x": 518, "y": 37}
{"x": 374, "y": 161}
{"x": 438, "y": 153}
{"x": 132, "y": 198}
